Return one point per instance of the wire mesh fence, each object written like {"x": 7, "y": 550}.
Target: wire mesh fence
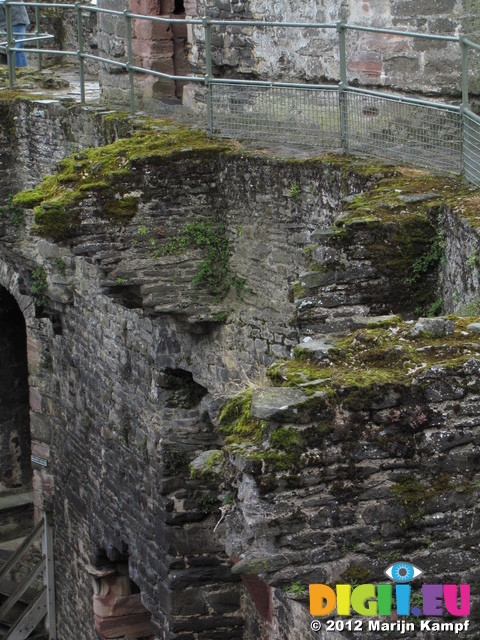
{"x": 277, "y": 114}
{"x": 471, "y": 148}
{"x": 427, "y": 136}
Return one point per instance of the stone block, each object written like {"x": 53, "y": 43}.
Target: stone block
{"x": 273, "y": 402}
{"x": 152, "y": 31}
{"x": 113, "y": 605}
{"x": 41, "y": 450}
{"x": 135, "y": 626}
{"x": 35, "y": 399}
{"x": 34, "y": 349}
{"x": 146, "y": 7}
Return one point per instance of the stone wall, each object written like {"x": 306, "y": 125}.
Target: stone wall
{"x": 129, "y": 363}
{"x": 298, "y": 55}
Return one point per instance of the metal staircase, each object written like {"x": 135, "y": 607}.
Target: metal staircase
{"x": 25, "y": 603}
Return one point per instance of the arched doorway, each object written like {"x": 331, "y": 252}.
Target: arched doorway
{"x": 15, "y": 446}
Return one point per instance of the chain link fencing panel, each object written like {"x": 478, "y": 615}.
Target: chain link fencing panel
{"x": 277, "y": 114}
{"x": 395, "y": 129}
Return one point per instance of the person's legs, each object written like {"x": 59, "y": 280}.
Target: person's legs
{"x": 20, "y": 57}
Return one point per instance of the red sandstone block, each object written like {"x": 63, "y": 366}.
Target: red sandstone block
{"x": 179, "y": 30}
{"x": 147, "y": 50}
{"x": 148, "y": 30}
{"x": 146, "y": 7}
{"x": 35, "y": 399}
{"x": 167, "y": 6}
{"x": 135, "y": 626}
{"x": 42, "y": 485}
{"x": 163, "y": 65}
{"x": 180, "y": 60}
{"x": 34, "y": 348}
{"x": 41, "y": 450}
{"x": 112, "y": 605}
{"x": 372, "y": 69}
{"x": 190, "y": 7}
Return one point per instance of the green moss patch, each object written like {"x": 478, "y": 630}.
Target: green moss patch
{"x": 101, "y": 173}
{"x": 362, "y": 363}
{"x": 236, "y": 422}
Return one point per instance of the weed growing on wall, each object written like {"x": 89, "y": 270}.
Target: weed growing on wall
{"x": 213, "y": 273}
{"x": 12, "y": 213}
{"x": 434, "y": 255}
{"x": 39, "y": 287}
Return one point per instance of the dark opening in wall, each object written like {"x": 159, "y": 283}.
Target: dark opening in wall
{"x": 15, "y": 449}
{"x": 117, "y": 602}
{"x": 179, "y": 7}
{"x": 183, "y": 392}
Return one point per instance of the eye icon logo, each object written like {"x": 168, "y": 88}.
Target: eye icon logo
{"x": 402, "y": 572}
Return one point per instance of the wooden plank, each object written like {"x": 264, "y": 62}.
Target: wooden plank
{"x": 30, "y": 619}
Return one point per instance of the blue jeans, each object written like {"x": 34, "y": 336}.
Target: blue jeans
{"x": 20, "y": 57}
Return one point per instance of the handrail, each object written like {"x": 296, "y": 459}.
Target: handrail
{"x": 44, "y": 603}
{"x": 207, "y": 78}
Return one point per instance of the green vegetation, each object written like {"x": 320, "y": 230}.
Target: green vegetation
{"x": 12, "y": 213}
{"x": 361, "y": 363}
{"x": 57, "y": 200}
{"x": 175, "y": 459}
{"x": 39, "y": 287}
{"x": 294, "y": 190}
{"x": 296, "y": 589}
{"x": 434, "y": 255}
{"x": 206, "y": 501}
{"x": 61, "y": 266}
{"x": 236, "y": 422}
{"x": 355, "y": 575}
{"x": 213, "y": 273}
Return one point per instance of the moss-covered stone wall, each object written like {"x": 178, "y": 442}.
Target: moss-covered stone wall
{"x": 163, "y": 273}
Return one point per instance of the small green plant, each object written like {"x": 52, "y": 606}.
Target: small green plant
{"x": 296, "y": 589}
{"x": 39, "y": 287}
{"x": 213, "y": 273}
{"x": 120, "y": 280}
{"x": 142, "y": 231}
{"x": 154, "y": 252}
{"x": 61, "y": 266}
{"x": 472, "y": 308}
{"x": 86, "y": 420}
{"x": 229, "y": 498}
{"x": 12, "y": 213}
{"x": 205, "y": 501}
{"x": 434, "y": 255}
{"x": 473, "y": 260}
{"x": 294, "y": 190}
{"x": 175, "y": 459}
{"x": 435, "y": 309}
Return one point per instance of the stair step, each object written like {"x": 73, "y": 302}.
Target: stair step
{"x": 7, "y": 587}
{"x": 16, "y": 515}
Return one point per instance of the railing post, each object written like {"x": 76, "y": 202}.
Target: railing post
{"x": 464, "y": 47}
{"x": 49, "y": 576}
{"x": 10, "y": 45}
{"x": 128, "y": 21}
{"x": 81, "y": 60}
{"x": 465, "y": 102}
{"x": 342, "y": 93}
{"x": 208, "y": 71}
{"x": 37, "y": 33}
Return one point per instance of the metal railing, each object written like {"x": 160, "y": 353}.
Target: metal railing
{"x": 429, "y": 133}
{"x": 43, "y": 603}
